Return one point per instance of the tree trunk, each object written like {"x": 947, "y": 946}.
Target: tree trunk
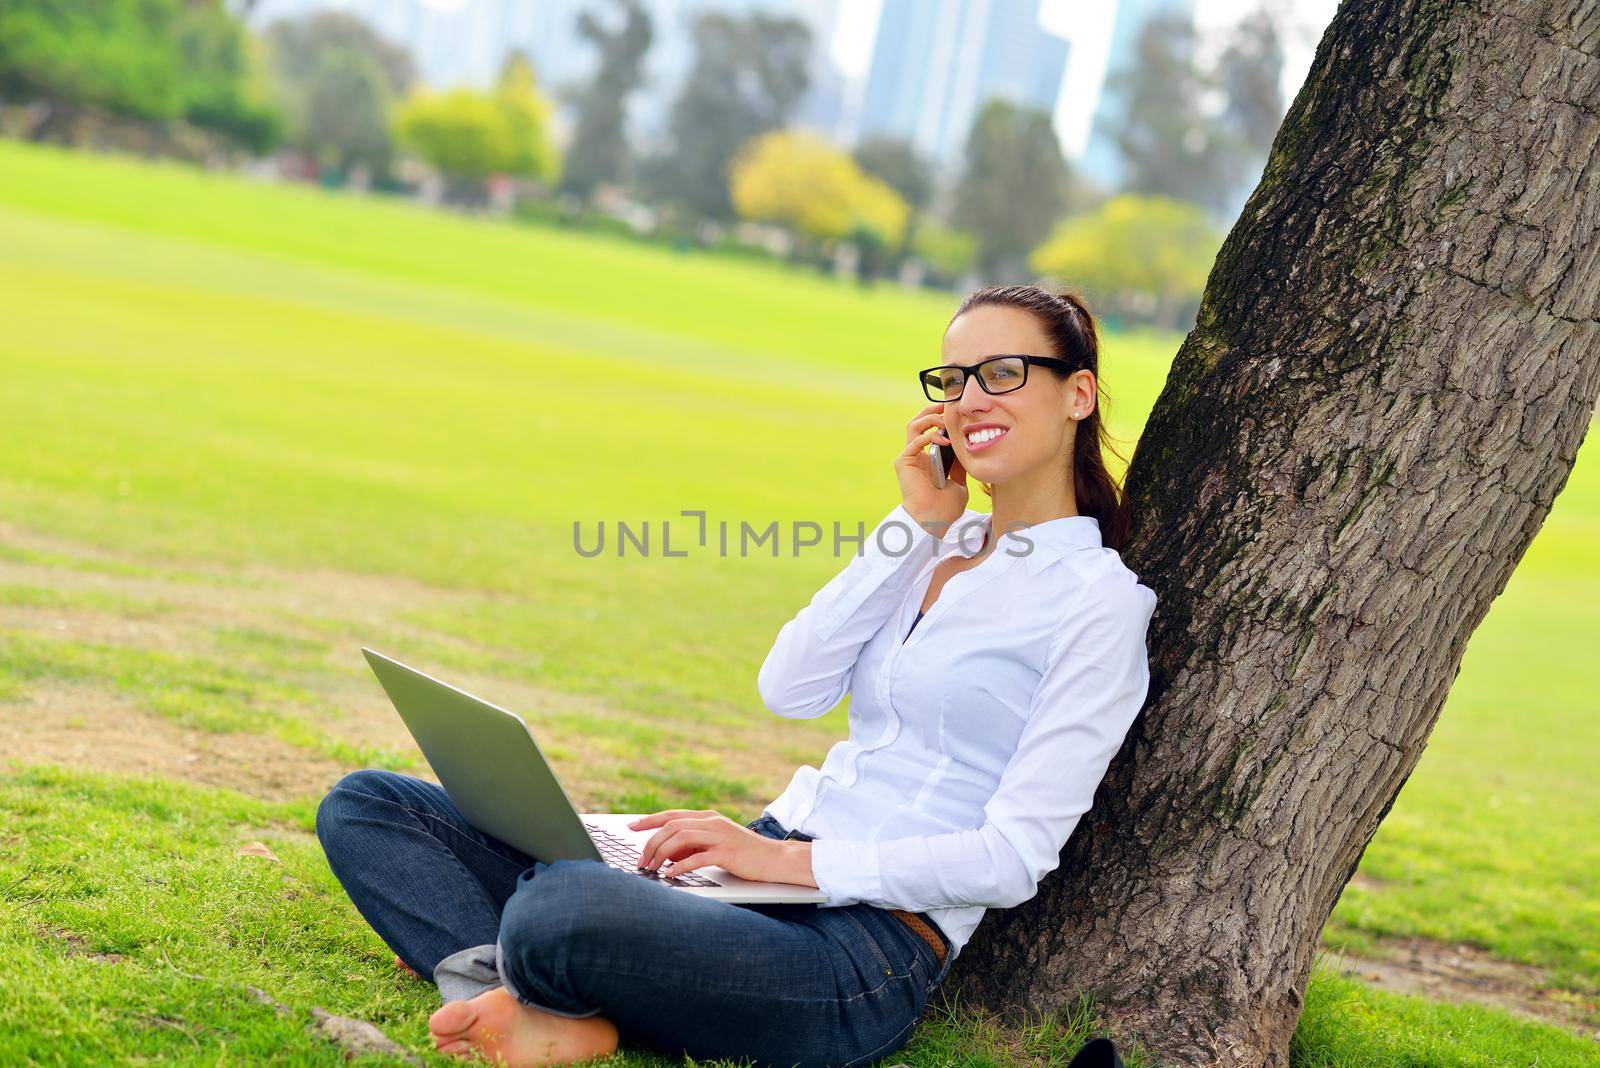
{"x": 1394, "y": 364}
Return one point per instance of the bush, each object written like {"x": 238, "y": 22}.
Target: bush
{"x": 1142, "y": 258}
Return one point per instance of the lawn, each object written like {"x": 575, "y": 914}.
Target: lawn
{"x": 249, "y": 429}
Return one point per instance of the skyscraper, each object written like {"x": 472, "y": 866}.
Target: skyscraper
{"x": 1100, "y": 160}
{"x": 936, "y": 62}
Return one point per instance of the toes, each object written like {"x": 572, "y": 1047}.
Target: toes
{"x": 452, "y": 1019}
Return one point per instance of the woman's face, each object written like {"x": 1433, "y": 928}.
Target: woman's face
{"x": 1036, "y": 421}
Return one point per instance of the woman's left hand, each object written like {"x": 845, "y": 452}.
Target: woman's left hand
{"x": 696, "y": 838}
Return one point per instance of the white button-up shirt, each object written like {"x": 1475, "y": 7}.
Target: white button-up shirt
{"x": 977, "y": 742}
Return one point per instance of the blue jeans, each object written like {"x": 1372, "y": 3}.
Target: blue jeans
{"x": 783, "y": 985}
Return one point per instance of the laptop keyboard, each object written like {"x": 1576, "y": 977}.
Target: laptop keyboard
{"x": 619, "y": 854}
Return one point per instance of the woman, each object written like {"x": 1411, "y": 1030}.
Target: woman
{"x": 979, "y": 731}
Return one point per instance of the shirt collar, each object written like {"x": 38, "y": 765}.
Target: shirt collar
{"x": 1036, "y": 546}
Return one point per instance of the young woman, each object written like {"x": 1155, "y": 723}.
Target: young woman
{"x": 995, "y": 664}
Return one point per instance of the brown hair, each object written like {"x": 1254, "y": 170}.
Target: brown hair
{"x": 1071, "y": 329}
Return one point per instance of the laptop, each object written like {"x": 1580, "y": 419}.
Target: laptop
{"x": 492, "y": 770}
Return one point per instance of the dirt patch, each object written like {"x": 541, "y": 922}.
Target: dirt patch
{"x": 77, "y": 944}
{"x": 81, "y": 727}
{"x": 1461, "y": 972}
{"x": 308, "y": 625}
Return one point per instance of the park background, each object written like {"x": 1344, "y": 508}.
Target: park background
{"x": 303, "y": 352}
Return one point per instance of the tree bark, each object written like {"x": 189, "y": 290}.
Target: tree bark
{"x": 1394, "y": 364}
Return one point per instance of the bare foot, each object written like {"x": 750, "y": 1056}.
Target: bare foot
{"x": 403, "y": 966}
{"x": 502, "y": 1029}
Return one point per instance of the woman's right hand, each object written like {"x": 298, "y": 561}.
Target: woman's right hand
{"x": 934, "y": 508}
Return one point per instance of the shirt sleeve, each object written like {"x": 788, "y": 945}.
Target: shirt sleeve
{"x": 807, "y": 671}
{"x": 1093, "y": 687}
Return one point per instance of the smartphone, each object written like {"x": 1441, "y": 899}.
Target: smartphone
{"x": 944, "y": 458}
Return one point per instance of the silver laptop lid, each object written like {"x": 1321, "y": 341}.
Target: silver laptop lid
{"x": 488, "y": 763}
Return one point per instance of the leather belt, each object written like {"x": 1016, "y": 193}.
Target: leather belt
{"x": 924, "y": 930}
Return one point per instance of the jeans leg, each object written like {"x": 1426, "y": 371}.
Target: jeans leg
{"x": 685, "y": 974}
{"x": 431, "y": 885}
{"x": 769, "y": 826}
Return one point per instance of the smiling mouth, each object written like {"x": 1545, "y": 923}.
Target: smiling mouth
{"x": 984, "y": 438}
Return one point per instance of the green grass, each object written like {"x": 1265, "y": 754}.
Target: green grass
{"x": 268, "y": 425}
{"x": 133, "y": 933}
{"x": 1346, "y": 1025}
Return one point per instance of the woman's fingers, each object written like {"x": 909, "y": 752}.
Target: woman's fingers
{"x": 652, "y": 856}
{"x": 932, "y": 436}
{"x": 689, "y": 862}
{"x": 656, "y": 819}
{"x": 932, "y": 415}
{"x": 675, "y": 837}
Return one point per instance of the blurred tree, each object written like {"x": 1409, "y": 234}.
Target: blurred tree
{"x": 802, "y": 182}
{"x": 527, "y": 115}
{"x": 1250, "y": 72}
{"x": 154, "y": 61}
{"x": 882, "y": 220}
{"x": 895, "y": 161}
{"x": 794, "y": 179}
{"x": 1014, "y": 187}
{"x": 948, "y": 254}
{"x": 749, "y": 75}
{"x": 1169, "y": 146}
{"x": 460, "y": 132}
{"x": 102, "y": 55}
{"x": 220, "y": 78}
{"x": 297, "y": 44}
{"x": 339, "y": 80}
{"x": 877, "y": 208}
{"x": 1139, "y": 257}
{"x": 260, "y": 93}
{"x": 341, "y": 116}
{"x": 469, "y": 135}
{"x": 599, "y": 149}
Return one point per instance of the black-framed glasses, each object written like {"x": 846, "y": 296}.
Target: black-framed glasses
{"x": 997, "y": 374}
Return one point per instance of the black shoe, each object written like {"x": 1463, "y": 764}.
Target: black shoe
{"x": 1097, "y": 1053}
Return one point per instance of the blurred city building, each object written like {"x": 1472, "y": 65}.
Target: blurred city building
{"x": 1100, "y": 159}
{"x": 935, "y": 63}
